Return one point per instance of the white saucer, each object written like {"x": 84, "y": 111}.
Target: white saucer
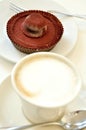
{"x": 64, "y": 47}
{"x": 11, "y": 110}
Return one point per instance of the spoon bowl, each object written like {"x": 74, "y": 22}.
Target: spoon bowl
{"x": 75, "y": 120}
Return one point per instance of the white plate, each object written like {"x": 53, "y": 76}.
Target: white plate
{"x": 11, "y": 110}
{"x": 66, "y": 44}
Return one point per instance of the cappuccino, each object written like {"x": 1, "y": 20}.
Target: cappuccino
{"x": 46, "y": 80}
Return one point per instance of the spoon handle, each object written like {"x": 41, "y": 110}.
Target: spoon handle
{"x": 23, "y": 127}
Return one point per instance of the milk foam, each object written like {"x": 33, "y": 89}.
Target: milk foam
{"x": 46, "y": 81}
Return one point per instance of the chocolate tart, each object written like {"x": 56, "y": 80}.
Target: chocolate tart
{"x": 20, "y": 30}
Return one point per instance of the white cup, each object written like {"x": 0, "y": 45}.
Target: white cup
{"x": 46, "y": 83}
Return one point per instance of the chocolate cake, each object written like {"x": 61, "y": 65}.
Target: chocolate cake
{"x": 34, "y": 30}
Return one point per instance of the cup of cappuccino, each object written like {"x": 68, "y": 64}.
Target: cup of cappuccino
{"x": 46, "y": 83}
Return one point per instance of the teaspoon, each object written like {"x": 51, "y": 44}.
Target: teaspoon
{"x": 75, "y": 120}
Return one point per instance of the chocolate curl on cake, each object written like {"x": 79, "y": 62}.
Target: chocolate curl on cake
{"x": 34, "y": 25}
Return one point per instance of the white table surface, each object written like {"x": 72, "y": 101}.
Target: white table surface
{"x": 78, "y": 55}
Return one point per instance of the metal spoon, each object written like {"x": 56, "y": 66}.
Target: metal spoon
{"x": 72, "y": 121}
